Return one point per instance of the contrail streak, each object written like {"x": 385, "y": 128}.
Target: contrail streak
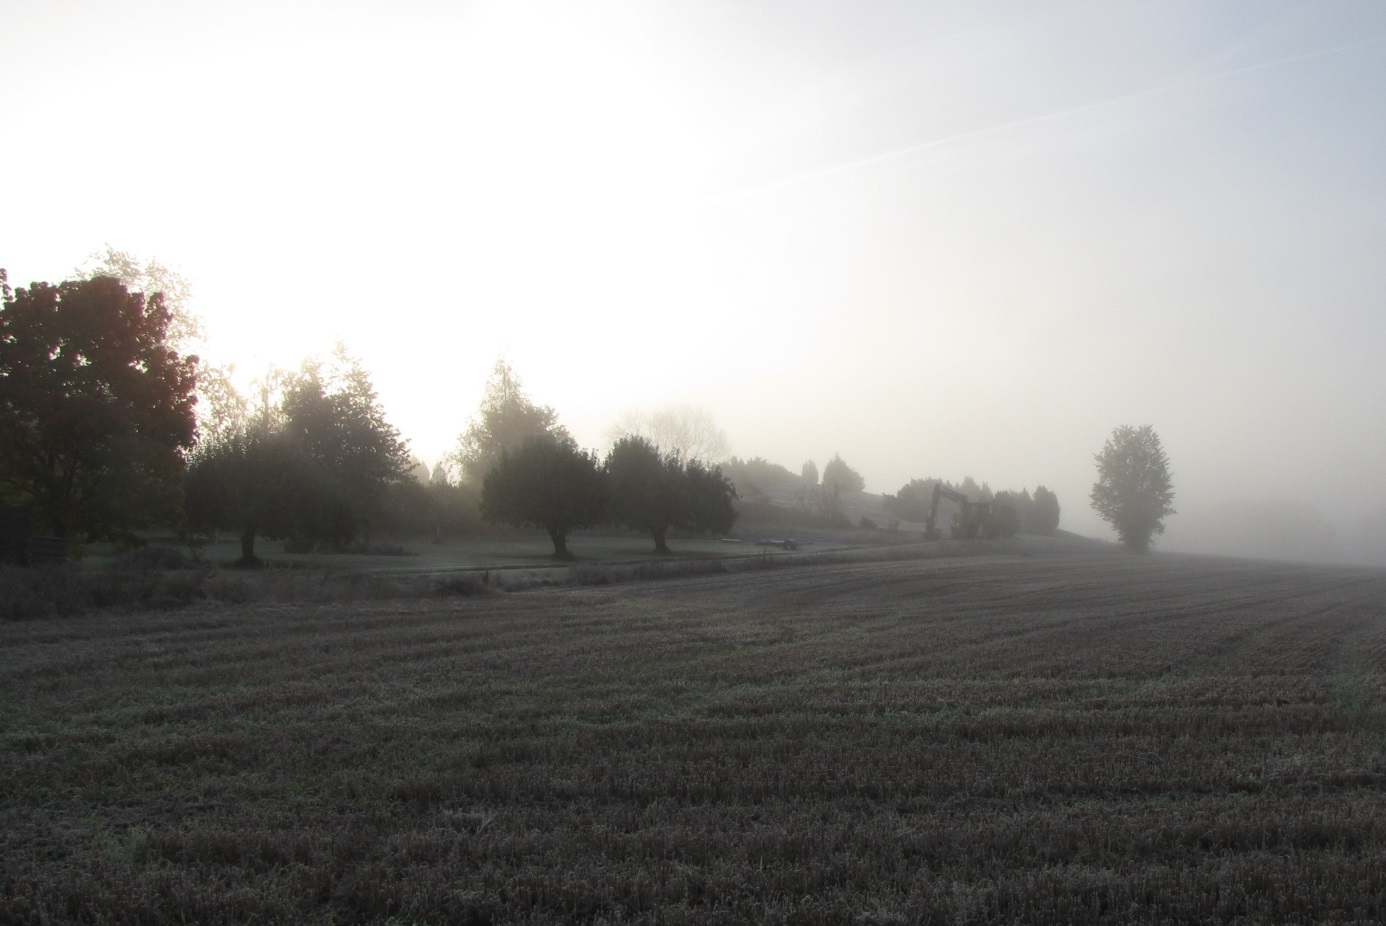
{"x": 860, "y": 163}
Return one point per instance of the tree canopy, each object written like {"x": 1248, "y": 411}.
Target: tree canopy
{"x": 97, "y": 409}
{"x": 313, "y": 463}
{"x": 1037, "y": 515}
{"x": 546, "y": 482}
{"x": 506, "y": 419}
{"x": 332, "y": 413}
{"x": 258, "y": 482}
{"x": 682, "y": 430}
{"x": 758, "y": 476}
{"x": 653, "y": 490}
{"x": 838, "y": 477}
{"x": 1041, "y": 516}
{"x": 1134, "y": 490}
{"x": 150, "y": 277}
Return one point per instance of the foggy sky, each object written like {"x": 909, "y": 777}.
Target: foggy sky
{"x": 941, "y": 240}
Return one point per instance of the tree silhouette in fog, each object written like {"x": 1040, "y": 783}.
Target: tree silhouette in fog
{"x": 312, "y": 463}
{"x": 653, "y": 490}
{"x": 150, "y": 277}
{"x": 838, "y": 477}
{"x": 506, "y": 419}
{"x": 546, "y": 482}
{"x": 1042, "y": 515}
{"x": 682, "y": 430}
{"x": 1134, "y": 490}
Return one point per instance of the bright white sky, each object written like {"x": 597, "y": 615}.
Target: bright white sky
{"x": 941, "y": 239}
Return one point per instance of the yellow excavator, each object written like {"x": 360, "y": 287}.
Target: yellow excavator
{"x": 974, "y": 520}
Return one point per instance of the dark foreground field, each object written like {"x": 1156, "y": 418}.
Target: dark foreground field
{"x": 1052, "y": 738}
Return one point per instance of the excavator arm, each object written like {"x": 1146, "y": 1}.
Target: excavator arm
{"x": 940, "y": 492}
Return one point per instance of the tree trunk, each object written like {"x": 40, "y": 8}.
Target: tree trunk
{"x": 248, "y": 545}
{"x": 560, "y": 544}
{"x": 659, "y": 533}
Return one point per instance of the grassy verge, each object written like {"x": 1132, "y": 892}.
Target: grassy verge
{"x": 123, "y": 583}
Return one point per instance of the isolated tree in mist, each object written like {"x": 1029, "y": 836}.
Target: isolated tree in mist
{"x": 506, "y": 419}
{"x": 1042, "y": 515}
{"x": 546, "y": 482}
{"x": 682, "y": 430}
{"x": 96, "y": 409}
{"x": 653, "y": 490}
{"x": 838, "y": 477}
{"x": 810, "y": 473}
{"x": 1133, "y": 491}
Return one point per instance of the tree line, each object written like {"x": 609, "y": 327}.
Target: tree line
{"x": 313, "y": 461}
{"x": 1016, "y": 511}
{"x": 532, "y": 473}
{"x": 102, "y": 436}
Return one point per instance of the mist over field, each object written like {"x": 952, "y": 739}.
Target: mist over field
{"x": 941, "y": 242}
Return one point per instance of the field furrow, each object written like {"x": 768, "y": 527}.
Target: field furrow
{"x": 1010, "y": 739}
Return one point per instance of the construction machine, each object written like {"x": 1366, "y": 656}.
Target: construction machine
{"x": 974, "y": 520}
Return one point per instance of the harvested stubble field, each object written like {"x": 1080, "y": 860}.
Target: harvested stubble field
{"x": 1051, "y": 737}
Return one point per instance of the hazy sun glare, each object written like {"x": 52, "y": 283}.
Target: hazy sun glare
{"x": 940, "y": 241}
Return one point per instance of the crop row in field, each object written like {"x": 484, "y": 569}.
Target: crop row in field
{"x": 1018, "y": 739}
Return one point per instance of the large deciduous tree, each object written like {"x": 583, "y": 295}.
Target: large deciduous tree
{"x": 1134, "y": 490}
{"x": 654, "y": 490}
{"x": 546, "y": 482}
{"x": 682, "y": 430}
{"x": 150, "y": 277}
{"x": 96, "y": 407}
{"x": 506, "y": 419}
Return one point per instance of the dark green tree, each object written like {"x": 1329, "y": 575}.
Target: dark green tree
{"x": 1134, "y": 490}
{"x": 712, "y": 498}
{"x": 838, "y": 477}
{"x": 333, "y": 416}
{"x": 546, "y": 482}
{"x": 651, "y": 490}
{"x": 96, "y": 408}
{"x": 259, "y": 483}
{"x": 506, "y": 419}
{"x": 313, "y": 463}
